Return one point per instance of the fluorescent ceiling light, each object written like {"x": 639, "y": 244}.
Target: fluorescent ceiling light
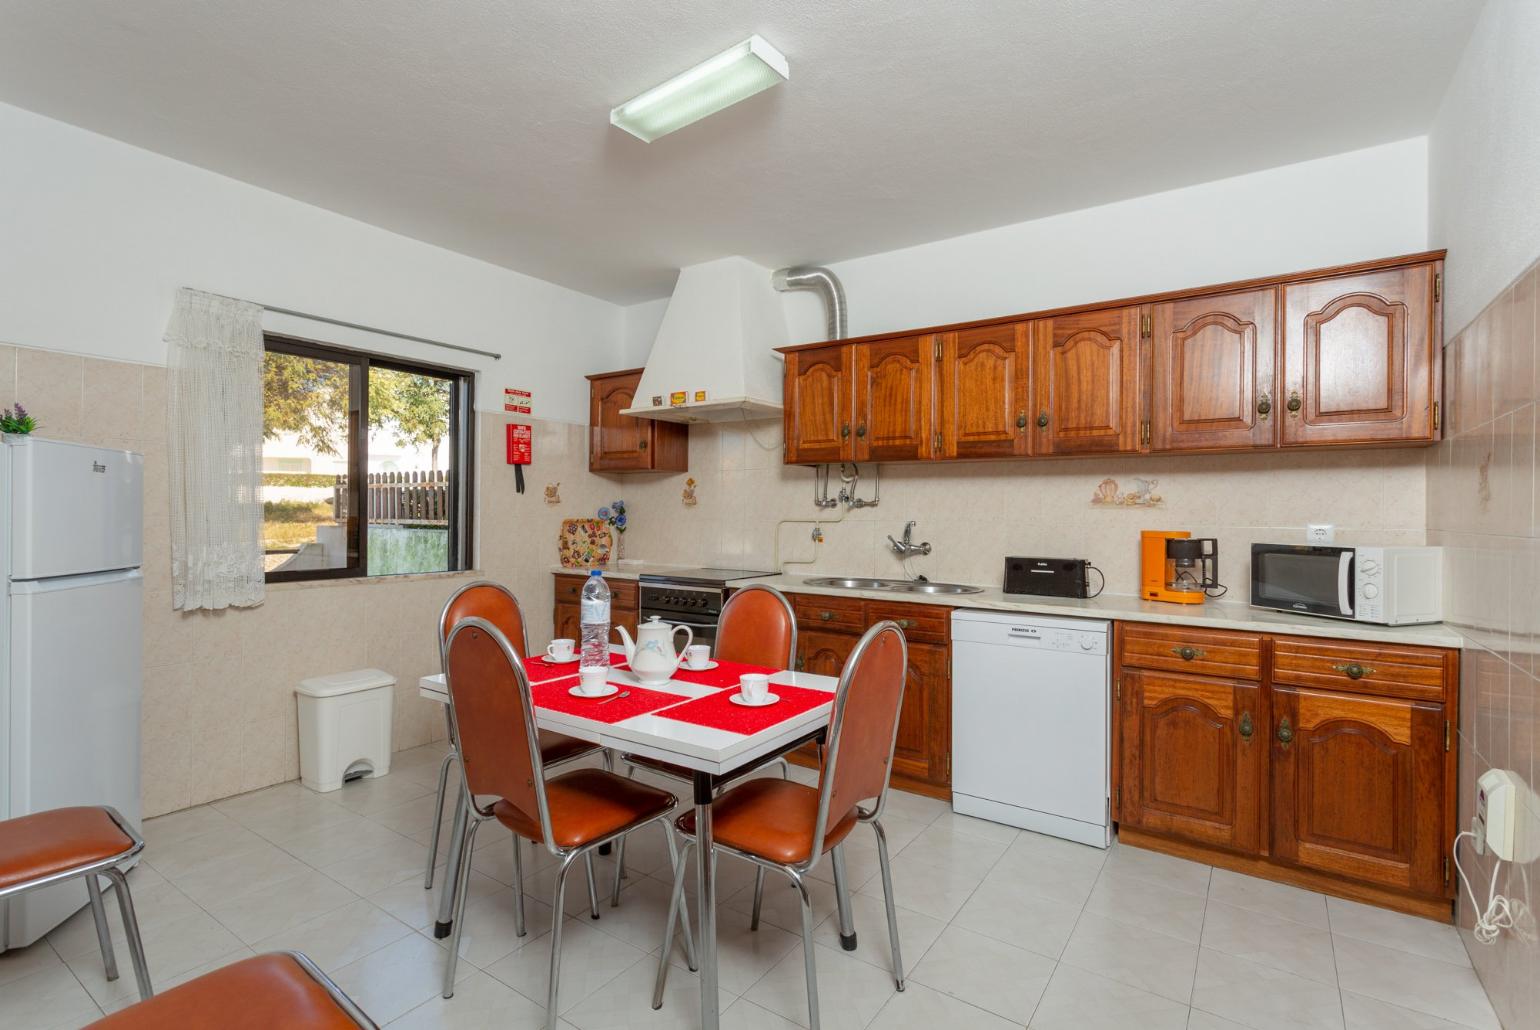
{"x": 733, "y": 75}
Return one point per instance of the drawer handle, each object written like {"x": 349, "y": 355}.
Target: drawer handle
{"x": 1353, "y": 671}
{"x": 1246, "y": 726}
{"x": 1285, "y": 732}
{"x": 905, "y": 623}
{"x": 1186, "y": 653}
{"x": 826, "y": 615}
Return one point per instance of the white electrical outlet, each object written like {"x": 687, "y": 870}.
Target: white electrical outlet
{"x": 1320, "y": 533}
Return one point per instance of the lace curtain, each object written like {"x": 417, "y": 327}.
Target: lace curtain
{"x": 214, "y": 408}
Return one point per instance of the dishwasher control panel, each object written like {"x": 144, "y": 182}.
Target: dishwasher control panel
{"x": 1045, "y": 633}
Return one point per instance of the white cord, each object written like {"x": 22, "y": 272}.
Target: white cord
{"x": 1498, "y": 916}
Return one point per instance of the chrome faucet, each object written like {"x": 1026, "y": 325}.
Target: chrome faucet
{"x": 906, "y": 548}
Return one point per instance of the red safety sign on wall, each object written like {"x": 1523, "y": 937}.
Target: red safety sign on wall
{"x": 521, "y": 443}
{"x": 516, "y": 401}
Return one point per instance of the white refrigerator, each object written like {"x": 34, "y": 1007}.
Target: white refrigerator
{"x": 72, "y": 531}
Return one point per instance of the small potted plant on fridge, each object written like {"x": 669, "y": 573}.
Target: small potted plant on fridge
{"x": 17, "y": 421}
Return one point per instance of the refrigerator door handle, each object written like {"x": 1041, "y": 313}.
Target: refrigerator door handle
{"x": 56, "y": 583}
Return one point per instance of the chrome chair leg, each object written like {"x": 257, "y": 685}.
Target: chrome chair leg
{"x": 677, "y": 858}
{"x": 131, "y": 931}
{"x": 518, "y": 886}
{"x": 785, "y": 767}
{"x": 557, "y": 919}
{"x": 675, "y": 901}
{"x": 842, "y": 899}
{"x": 438, "y": 817}
{"x": 759, "y": 895}
{"x": 593, "y": 894}
{"x": 467, "y": 844}
{"x": 620, "y": 870}
{"x": 887, "y": 898}
{"x": 809, "y": 960}
{"x": 103, "y": 932}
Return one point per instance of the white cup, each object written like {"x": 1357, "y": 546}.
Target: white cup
{"x": 697, "y": 656}
{"x": 755, "y": 687}
{"x": 591, "y": 681}
{"x": 560, "y": 650}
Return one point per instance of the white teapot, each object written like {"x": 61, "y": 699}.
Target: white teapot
{"x": 652, "y": 656}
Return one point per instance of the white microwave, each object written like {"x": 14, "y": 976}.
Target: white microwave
{"x": 1392, "y": 586}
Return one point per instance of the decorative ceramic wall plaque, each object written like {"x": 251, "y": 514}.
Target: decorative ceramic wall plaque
{"x": 688, "y": 498}
{"x": 553, "y": 493}
{"x": 1109, "y": 495}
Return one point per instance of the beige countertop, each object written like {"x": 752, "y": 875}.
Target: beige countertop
{"x": 1233, "y": 615}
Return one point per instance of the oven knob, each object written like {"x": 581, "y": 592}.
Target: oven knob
{"x": 700, "y": 602}
{"x": 1370, "y": 591}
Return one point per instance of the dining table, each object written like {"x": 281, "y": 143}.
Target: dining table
{"x": 690, "y": 721}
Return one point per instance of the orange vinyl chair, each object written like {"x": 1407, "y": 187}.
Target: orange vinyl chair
{"x": 280, "y": 991}
{"x": 573, "y": 814}
{"x": 788, "y": 827}
{"x": 46, "y": 848}
{"x": 496, "y": 603}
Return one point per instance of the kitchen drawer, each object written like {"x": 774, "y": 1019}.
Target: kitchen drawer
{"x": 1418, "y": 673}
{"x": 921, "y": 623}
{"x": 1234, "y": 656}
{"x": 834, "y": 613}
{"x": 569, "y": 590}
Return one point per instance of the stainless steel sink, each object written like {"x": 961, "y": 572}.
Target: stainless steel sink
{"x": 898, "y": 586}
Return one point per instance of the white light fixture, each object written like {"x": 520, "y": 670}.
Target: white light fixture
{"x": 733, "y": 75}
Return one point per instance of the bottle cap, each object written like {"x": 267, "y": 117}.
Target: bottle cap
{"x": 596, "y": 572}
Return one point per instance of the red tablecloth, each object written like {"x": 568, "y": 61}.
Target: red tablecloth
{"x": 554, "y": 695}
{"x": 717, "y": 712}
{"x": 539, "y": 670}
{"x": 726, "y": 674}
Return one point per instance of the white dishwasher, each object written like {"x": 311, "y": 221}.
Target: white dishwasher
{"x": 1031, "y": 722}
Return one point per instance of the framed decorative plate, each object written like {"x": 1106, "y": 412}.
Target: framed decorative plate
{"x": 584, "y": 542}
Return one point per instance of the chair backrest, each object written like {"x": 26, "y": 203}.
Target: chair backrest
{"x": 485, "y": 600}
{"x": 493, "y": 720}
{"x": 863, "y": 728}
{"x": 757, "y": 627}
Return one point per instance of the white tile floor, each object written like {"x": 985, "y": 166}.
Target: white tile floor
{"x": 999, "y": 929}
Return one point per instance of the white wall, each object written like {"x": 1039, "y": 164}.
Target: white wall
{"x": 97, "y": 236}
{"x": 1484, "y": 161}
{"x": 1355, "y": 206}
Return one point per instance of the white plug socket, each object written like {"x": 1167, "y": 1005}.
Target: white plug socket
{"x": 1320, "y": 533}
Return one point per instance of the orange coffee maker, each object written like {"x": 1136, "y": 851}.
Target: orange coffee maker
{"x": 1175, "y": 567}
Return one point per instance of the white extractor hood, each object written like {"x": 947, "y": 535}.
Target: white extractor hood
{"x": 714, "y": 358}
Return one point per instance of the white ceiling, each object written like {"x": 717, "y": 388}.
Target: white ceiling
{"x": 482, "y": 125}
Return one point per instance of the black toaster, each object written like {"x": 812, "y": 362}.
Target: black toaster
{"x": 1046, "y": 577}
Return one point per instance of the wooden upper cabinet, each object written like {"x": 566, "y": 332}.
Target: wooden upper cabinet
{"x": 1359, "y": 787}
{"x": 983, "y": 396}
{"x": 894, "y": 384}
{"x": 1360, "y": 357}
{"x": 818, "y": 402}
{"x": 1193, "y": 757}
{"x": 622, "y": 443}
{"x": 1211, "y": 382}
{"x": 1085, "y": 371}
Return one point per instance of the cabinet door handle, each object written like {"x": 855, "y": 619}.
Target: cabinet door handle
{"x": 1264, "y": 406}
{"x": 1294, "y": 404}
{"x": 1353, "y": 671}
{"x": 799, "y": 663}
{"x": 861, "y": 430}
{"x": 1042, "y": 419}
{"x": 642, "y": 446}
{"x": 1285, "y": 732}
{"x": 1246, "y": 726}
{"x": 826, "y": 616}
{"x": 1021, "y": 419}
{"x": 1186, "y": 653}
{"x": 845, "y": 431}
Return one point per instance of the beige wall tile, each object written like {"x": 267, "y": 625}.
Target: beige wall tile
{"x": 51, "y": 386}
{"x": 7, "y": 376}
{"x": 112, "y": 403}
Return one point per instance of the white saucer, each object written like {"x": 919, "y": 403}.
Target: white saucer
{"x": 547, "y": 659}
{"x": 685, "y": 667}
{"x": 578, "y": 691}
{"x": 739, "y": 699}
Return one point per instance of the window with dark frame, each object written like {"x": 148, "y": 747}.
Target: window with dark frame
{"x": 365, "y": 463}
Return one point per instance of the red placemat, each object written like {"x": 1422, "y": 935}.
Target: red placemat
{"x": 553, "y": 696}
{"x": 539, "y": 670}
{"x": 726, "y": 674}
{"x": 717, "y": 712}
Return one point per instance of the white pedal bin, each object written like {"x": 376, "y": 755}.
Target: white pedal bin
{"x": 344, "y": 726}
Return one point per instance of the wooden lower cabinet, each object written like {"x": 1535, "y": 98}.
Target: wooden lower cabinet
{"x": 1332, "y": 770}
{"x": 1192, "y": 764}
{"x": 828, "y": 630}
{"x": 567, "y": 618}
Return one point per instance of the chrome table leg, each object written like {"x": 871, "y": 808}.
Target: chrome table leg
{"x": 706, "y": 897}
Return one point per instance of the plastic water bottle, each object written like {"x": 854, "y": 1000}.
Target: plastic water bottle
{"x": 595, "y": 614}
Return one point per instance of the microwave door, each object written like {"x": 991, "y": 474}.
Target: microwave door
{"x": 1345, "y": 584}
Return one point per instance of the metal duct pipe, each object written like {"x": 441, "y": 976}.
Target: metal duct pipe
{"x": 825, "y": 283}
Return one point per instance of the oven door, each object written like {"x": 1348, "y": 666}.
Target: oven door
{"x": 1297, "y": 578}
